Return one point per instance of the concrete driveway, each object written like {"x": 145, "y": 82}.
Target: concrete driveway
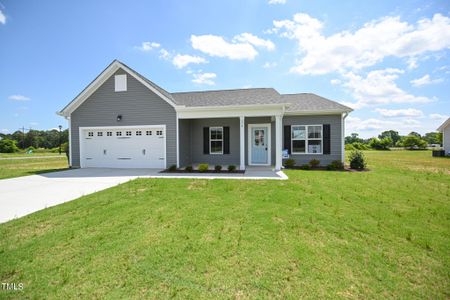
{"x": 24, "y": 195}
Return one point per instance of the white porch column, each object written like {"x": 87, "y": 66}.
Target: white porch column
{"x": 278, "y": 141}
{"x": 242, "y": 142}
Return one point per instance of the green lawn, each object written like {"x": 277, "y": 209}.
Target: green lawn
{"x": 23, "y": 164}
{"x": 378, "y": 234}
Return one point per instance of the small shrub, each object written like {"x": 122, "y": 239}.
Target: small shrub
{"x": 359, "y": 146}
{"x": 314, "y": 163}
{"x": 203, "y": 167}
{"x": 305, "y": 167}
{"x": 30, "y": 149}
{"x": 335, "y": 165}
{"x": 173, "y": 168}
{"x": 231, "y": 168}
{"x": 289, "y": 163}
{"x": 217, "y": 168}
{"x": 8, "y": 146}
{"x": 357, "y": 160}
{"x": 188, "y": 169}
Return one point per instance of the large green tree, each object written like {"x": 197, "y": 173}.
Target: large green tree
{"x": 392, "y": 134}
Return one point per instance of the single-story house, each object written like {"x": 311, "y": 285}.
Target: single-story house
{"x": 445, "y": 129}
{"x": 123, "y": 120}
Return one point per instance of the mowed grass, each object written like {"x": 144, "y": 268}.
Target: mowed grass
{"x": 358, "y": 235}
{"x": 22, "y": 165}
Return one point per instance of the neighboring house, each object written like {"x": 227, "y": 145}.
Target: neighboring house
{"x": 123, "y": 120}
{"x": 445, "y": 129}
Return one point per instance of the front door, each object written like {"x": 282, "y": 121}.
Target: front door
{"x": 259, "y": 145}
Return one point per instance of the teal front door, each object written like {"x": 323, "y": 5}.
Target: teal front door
{"x": 259, "y": 146}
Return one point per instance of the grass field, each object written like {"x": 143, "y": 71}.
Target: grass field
{"x": 378, "y": 234}
{"x": 16, "y": 165}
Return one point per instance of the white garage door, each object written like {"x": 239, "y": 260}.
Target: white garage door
{"x": 123, "y": 147}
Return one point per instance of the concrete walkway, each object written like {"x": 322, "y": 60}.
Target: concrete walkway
{"x": 24, "y": 195}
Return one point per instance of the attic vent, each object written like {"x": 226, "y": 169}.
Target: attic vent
{"x": 120, "y": 83}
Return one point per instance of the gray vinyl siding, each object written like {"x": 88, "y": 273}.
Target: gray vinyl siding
{"x": 184, "y": 142}
{"x": 261, "y": 120}
{"x": 335, "y": 137}
{"x": 446, "y": 141}
{"x": 197, "y": 155}
{"x": 138, "y": 106}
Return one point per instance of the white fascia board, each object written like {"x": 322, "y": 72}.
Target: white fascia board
{"x": 106, "y": 74}
{"x": 444, "y": 125}
{"x": 315, "y": 112}
{"x": 230, "y": 111}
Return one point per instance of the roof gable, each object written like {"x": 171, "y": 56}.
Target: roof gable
{"x": 444, "y": 125}
{"x": 103, "y": 76}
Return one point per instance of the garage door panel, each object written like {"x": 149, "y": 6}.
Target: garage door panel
{"x": 123, "y": 147}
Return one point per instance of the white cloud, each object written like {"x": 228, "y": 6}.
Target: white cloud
{"x": 148, "y": 46}
{"x": 366, "y": 46}
{"x": 438, "y": 117}
{"x": 214, "y": 45}
{"x": 408, "y": 112}
{"x": 164, "y": 54}
{"x": 2, "y": 18}
{"x": 204, "y": 78}
{"x": 254, "y": 40}
{"x": 377, "y": 88}
{"x": 277, "y": 1}
{"x": 19, "y": 98}
{"x": 181, "y": 61}
{"x": 269, "y": 65}
{"x": 425, "y": 80}
{"x": 4, "y": 130}
{"x": 371, "y": 127}
{"x": 335, "y": 81}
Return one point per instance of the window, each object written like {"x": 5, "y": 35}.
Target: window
{"x": 119, "y": 133}
{"x": 99, "y": 133}
{"x": 138, "y": 132}
{"x": 90, "y": 133}
{"x": 109, "y": 133}
{"x": 216, "y": 140}
{"x": 148, "y": 132}
{"x": 120, "y": 83}
{"x": 306, "y": 139}
{"x": 128, "y": 133}
{"x": 158, "y": 132}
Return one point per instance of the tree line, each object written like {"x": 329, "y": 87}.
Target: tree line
{"x": 35, "y": 139}
{"x": 391, "y": 138}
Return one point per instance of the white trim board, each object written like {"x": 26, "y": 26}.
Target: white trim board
{"x": 269, "y": 144}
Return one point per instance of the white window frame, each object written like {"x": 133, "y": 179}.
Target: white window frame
{"x": 307, "y": 139}
{"x": 120, "y": 83}
{"x": 215, "y": 140}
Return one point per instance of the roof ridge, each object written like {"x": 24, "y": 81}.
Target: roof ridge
{"x": 227, "y": 90}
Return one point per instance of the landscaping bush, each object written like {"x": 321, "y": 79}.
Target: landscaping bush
{"x": 357, "y": 160}
{"x": 336, "y": 165}
{"x": 188, "y": 169}
{"x": 231, "y": 168}
{"x": 203, "y": 167}
{"x": 349, "y": 147}
{"x": 314, "y": 163}
{"x": 305, "y": 167}
{"x": 8, "y": 146}
{"x": 173, "y": 168}
{"x": 289, "y": 163}
{"x": 217, "y": 168}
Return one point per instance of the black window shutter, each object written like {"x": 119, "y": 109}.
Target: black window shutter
{"x": 205, "y": 140}
{"x": 326, "y": 139}
{"x": 226, "y": 140}
{"x": 287, "y": 138}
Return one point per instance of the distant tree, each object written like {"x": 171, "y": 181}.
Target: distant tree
{"x": 382, "y": 144}
{"x": 8, "y": 146}
{"x": 413, "y": 133}
{"x": 414, "y": 142}
{"x": 432, "y": 137}
{"x": 353, "y": 138}
{"x": 392, "y": 134}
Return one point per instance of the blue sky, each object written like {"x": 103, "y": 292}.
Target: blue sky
{"x": 388, "y": 59}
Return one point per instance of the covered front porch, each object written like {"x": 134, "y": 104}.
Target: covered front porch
{"x": 231, "y": 137}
